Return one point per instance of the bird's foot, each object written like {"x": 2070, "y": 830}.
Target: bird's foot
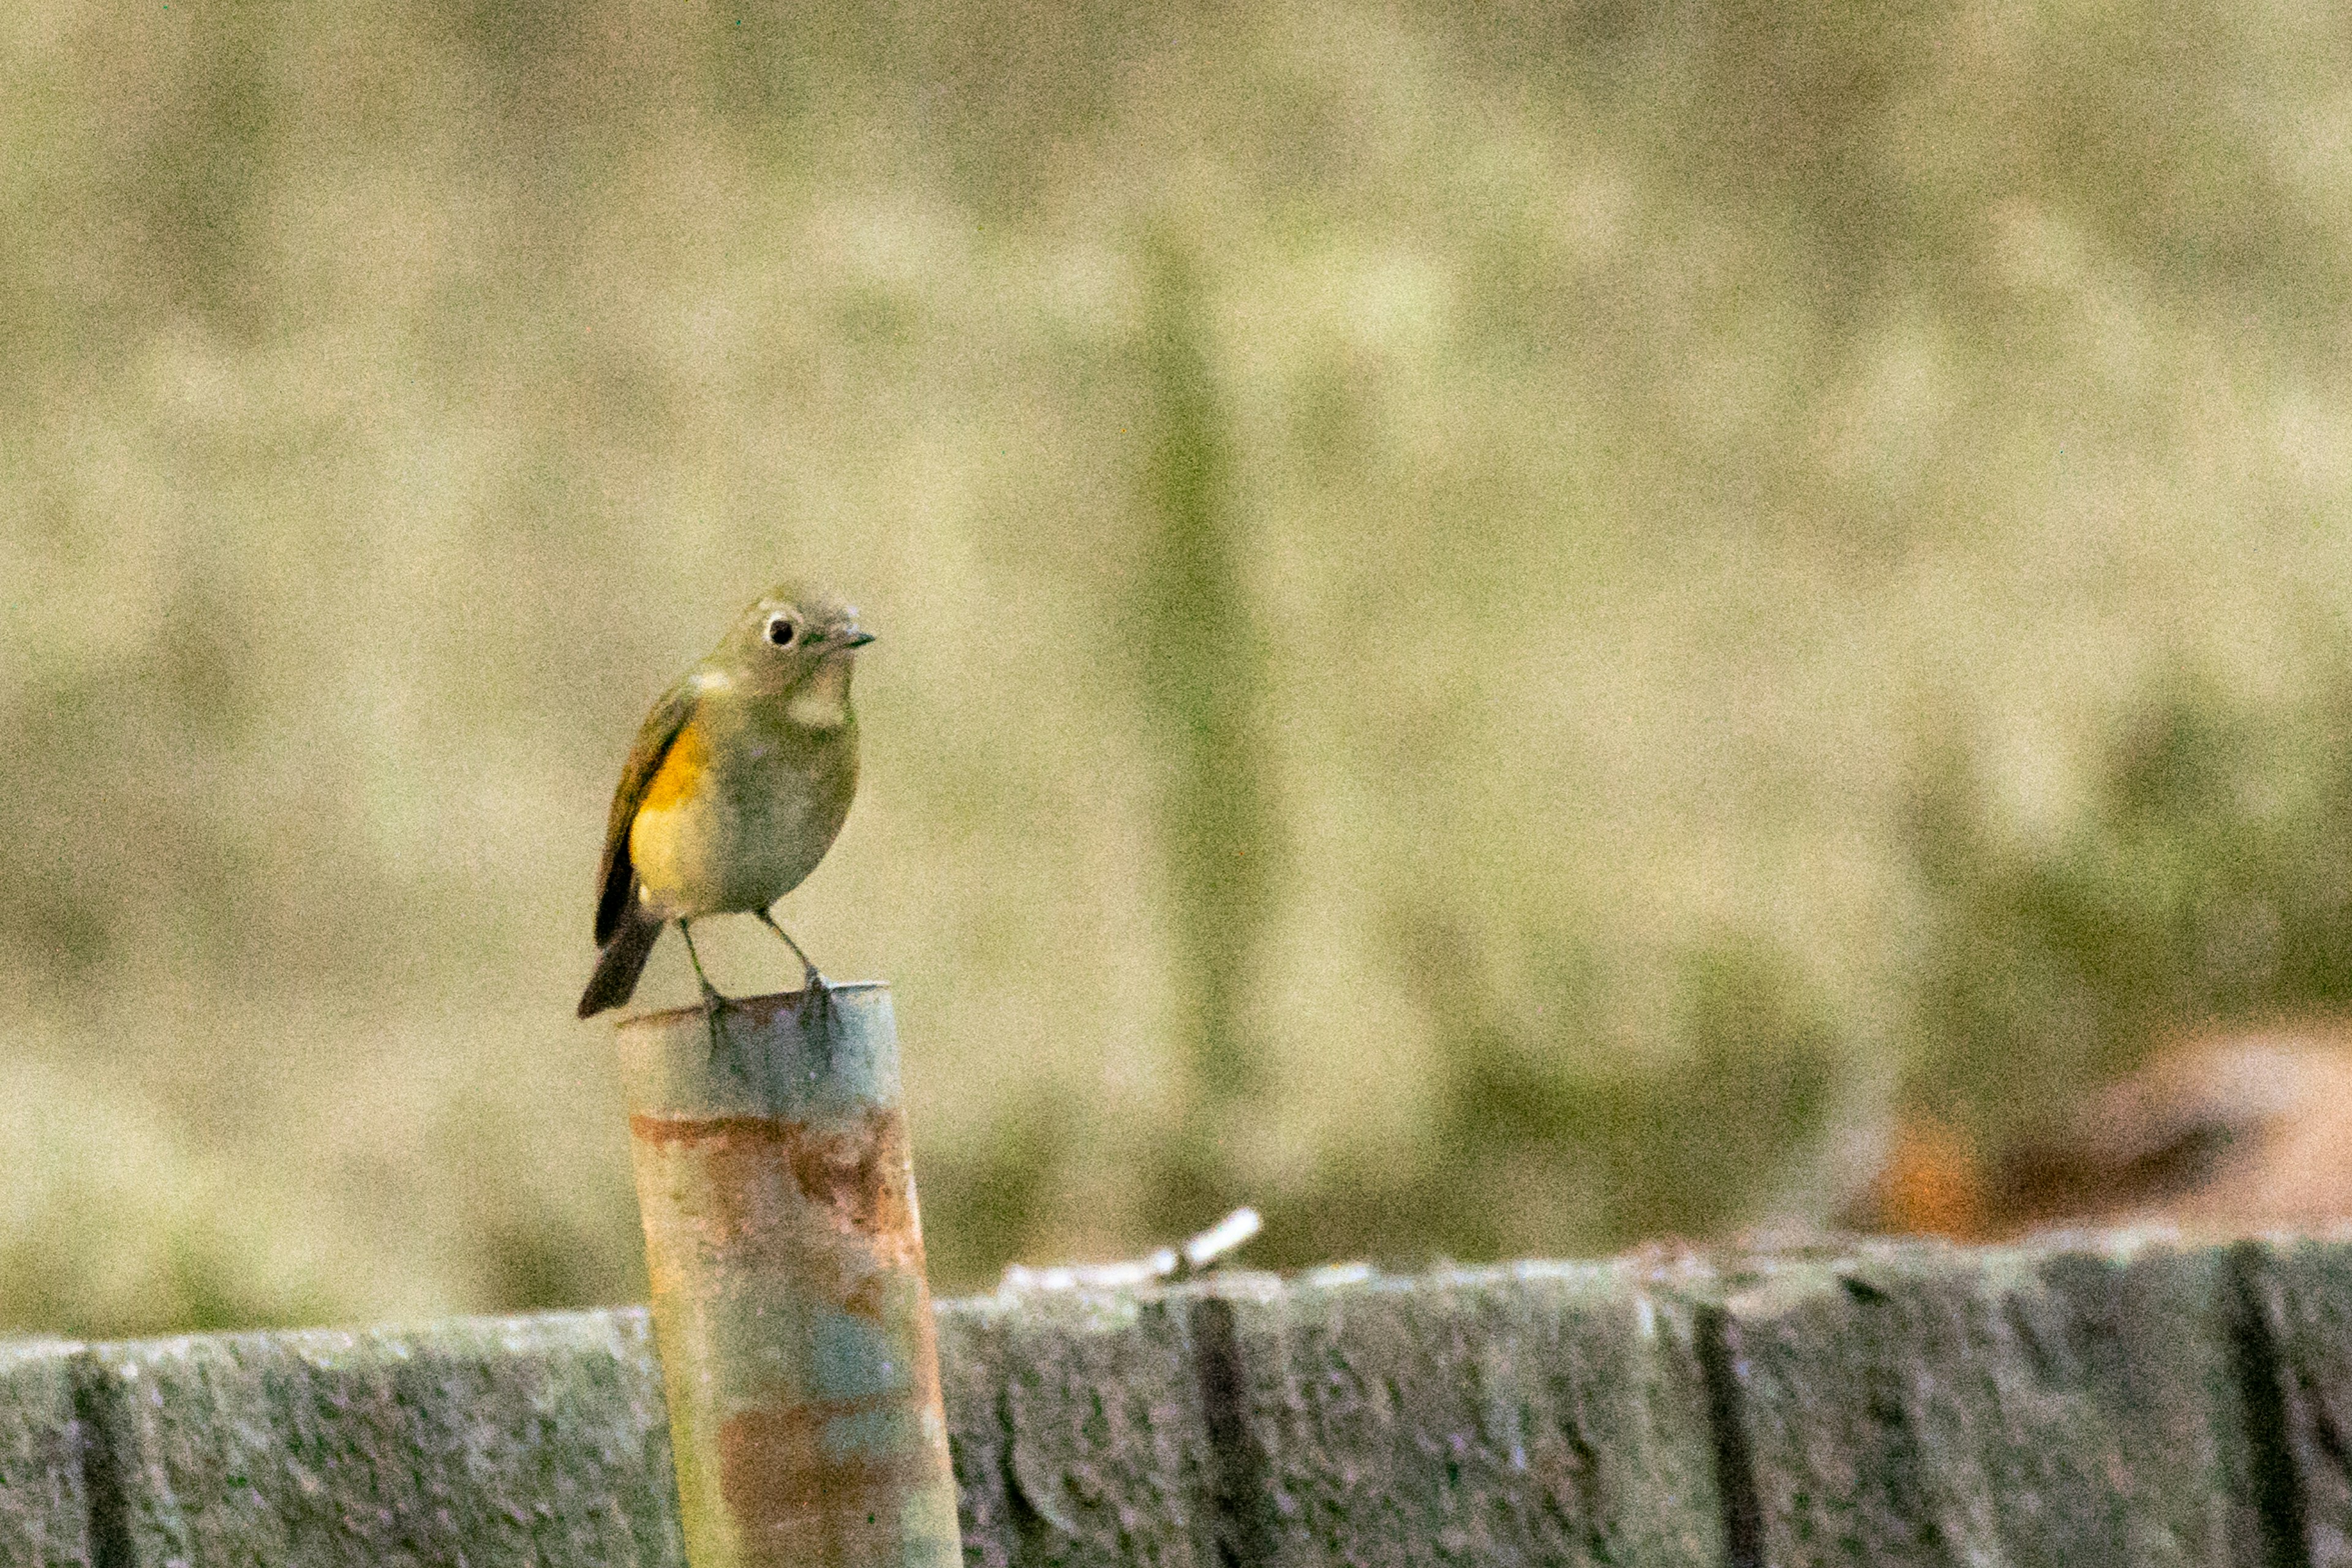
{"x": 815, "y": 1014}
{"x": 714, "y": 1013}
{"x": 816, "y": 992}
{"x": 814, "y": 989}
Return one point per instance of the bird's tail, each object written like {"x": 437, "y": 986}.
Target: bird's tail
{"x": 623, "y": 960}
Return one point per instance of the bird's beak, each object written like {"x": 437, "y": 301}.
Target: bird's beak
{"x": 852, "y": 637}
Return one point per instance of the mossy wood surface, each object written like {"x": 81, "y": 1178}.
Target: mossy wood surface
{"x": 44, "y": 1500}
{"x": 2077, "y": 1406}
{"x": 2119, "y": 1399}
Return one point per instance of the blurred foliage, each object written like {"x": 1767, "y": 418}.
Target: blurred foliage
{"x": 1690, "y": 1145}
{"x": 2205, "y": 880}
{"x": 1504, "y": 627}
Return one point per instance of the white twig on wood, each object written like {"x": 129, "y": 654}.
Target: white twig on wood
{"x": 1204, "y": 1251}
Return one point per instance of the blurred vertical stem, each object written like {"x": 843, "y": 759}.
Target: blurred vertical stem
{"x": 1203, "y": 679}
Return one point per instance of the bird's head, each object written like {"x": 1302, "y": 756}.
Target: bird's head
{"x": 795, "y": 639}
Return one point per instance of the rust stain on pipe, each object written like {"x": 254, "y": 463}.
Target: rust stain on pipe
{"x": 784, "y": 1474}
{"x": 786, "y": 1253}
{"x": 861, "y": 1176}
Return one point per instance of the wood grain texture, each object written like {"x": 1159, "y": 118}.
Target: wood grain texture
{"x": 2298, "y": 1298}
{"x": 1550, "y": 1414}
{"x": 2121, "y": 1399}
{"x": 1076, "y": 1425}
{"x": 2071, "y": 1405}
{"x": 43, "y": 1493}
{"x": 533, "y": 1440}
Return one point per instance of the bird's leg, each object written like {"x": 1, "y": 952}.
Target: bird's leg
{"x": 812, "y": 982}
{"x": 714, "y": 1005}
{"x": 810, "y": 978}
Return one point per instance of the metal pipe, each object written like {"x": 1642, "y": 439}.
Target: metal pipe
{"x": 789, "y": 1302}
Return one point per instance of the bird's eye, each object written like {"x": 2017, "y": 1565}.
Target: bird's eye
{"x": 781, "y": 630}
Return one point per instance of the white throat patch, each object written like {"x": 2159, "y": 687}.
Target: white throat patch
{"x": 823, "y": 700}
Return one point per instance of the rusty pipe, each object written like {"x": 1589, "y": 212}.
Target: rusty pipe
{"x": 789, "y": 1302}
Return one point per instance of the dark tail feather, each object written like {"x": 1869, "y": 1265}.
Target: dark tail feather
{"x": 623, "y": 960}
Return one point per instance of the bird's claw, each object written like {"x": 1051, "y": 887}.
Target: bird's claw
{"x": 816, "y": 992}
{"x": 714, "y": 1013}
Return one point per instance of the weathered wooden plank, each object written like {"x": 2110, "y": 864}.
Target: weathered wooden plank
{"x": 1545, "y": 1413}
{"x": 1075, "y": 1421}
{"x": 972, "y": 1361}
{"x": 2077, "y": 1404}
{"x": 43, "y": 1503}
{"x": 2301, "y": 1293}
{"x": 526, "y": 1441}
{"x": 2067, "y": 1404}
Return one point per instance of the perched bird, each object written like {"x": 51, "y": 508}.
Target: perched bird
{"x": 738, "y": 782}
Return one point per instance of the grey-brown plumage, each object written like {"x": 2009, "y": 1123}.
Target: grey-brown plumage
{"x": 739, "y": 780}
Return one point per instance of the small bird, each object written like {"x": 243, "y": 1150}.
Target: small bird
{"x": 740, "y": 779}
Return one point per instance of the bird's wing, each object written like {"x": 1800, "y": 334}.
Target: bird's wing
{"x": 671, "y": 712}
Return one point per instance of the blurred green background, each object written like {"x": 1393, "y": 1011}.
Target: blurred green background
{"x": 1506, "y": 627}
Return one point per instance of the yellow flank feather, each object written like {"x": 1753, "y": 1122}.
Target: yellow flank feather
{"x": 668, "y": 872}
{"x": 680, "y": 774}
